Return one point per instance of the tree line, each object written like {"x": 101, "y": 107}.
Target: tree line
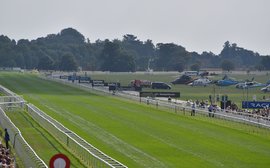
{"x": 69, "y": 50}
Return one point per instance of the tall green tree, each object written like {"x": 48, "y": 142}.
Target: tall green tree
{"x": 241, "y": 57}
{"x": 171, "y": 57}
{"x": 142, "y": 52}
{"x": 109, "y": 54}
{"x": 265, "y": 62}
{"x": 46, "y": 63}
{"x": 227, "y": 65}
{"x": 195, "y": 67}
{"x": 70, "y": 35}
{"x": 68, "y": 63}
{"x": 115, "y": 59}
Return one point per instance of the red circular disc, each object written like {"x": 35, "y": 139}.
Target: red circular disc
{"x": 59, "y": 161}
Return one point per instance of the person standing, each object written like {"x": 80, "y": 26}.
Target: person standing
{"x": 193, "y": 109}
{"x": 210, "y": 110}
{"x": 6, "y": 138}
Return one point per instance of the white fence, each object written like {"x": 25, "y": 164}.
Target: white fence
{"x": 22, "y": 148}
{"x": 242, "y": 117}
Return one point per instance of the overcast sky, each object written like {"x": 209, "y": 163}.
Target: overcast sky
{"x": 197, "y": 25}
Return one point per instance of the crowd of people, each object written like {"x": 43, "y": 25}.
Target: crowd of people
{"x": 6, "y": 160}
{"x": 262, "y": 113}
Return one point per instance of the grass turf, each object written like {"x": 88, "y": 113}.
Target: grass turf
{"x": 142, "y": 136}
{"x": 39, "y": 139}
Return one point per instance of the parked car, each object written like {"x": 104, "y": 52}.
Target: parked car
{"x": 160, "y": 85}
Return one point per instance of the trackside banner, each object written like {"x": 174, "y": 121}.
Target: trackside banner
{"x": 255, "y": 104}
{"x": 160, "y": 94}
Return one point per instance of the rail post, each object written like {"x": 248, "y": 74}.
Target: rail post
{"x": 14, "y": 141}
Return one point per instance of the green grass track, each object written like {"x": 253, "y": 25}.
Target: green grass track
{"x": 142, "y": 136}
{"x": 39, "y": 139}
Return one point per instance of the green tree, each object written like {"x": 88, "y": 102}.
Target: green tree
{"x": 68, "y": 63}
{"x": 70, "y": 35}
{"x": 239, "y": 56}
{"x": 265, "y": 62}
{"x": 195, "y": 67}
{"x": 141, "y": 51}
{"x": 180, "y": 66}
{"x": 114, "y": 59}
{"x": 109, "y": 55}
{"x": 171, "y": 57}
{"x": 227, "y": 65}
{"x": 46, "y": 63}
{"x": 123, "y": 63}
{"x": 259, "y": 67}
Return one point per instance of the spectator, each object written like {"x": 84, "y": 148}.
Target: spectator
{"x": 197, "y": 102}
{"x": 6, "y": 138}
{"x": 193, "y": 109}
{"x": 210, "y": 109}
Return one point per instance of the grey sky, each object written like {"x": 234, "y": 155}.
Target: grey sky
{"x": 197, "y": 25}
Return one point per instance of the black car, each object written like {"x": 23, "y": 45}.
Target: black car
{"x": 160, "y": 85}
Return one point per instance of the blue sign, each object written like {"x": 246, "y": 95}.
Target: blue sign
{"x": 255, "y": 104}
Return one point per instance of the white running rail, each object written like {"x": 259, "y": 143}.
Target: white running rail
{"x": 22, "y": 148}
